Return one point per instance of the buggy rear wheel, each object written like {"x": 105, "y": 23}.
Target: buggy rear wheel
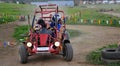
{"x": 67, "y": 52}
{"x": 23, "y": 54}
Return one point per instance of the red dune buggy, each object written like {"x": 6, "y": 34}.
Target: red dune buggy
{"x": 47, "y": 35}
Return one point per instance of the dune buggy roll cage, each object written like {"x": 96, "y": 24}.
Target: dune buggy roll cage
{"x": 47, "y": 10}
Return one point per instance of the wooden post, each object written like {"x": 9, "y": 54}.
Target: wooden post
{"x": 119, "y": 21}
{"x": 95, "y": 21}
{"x": 91, "y": 21}
{"x": 107, "y": 22}
{"x": 99, "y": 22}
{"x": 81, "y": 20}
{"x": 85, "y": 20}
{"x": 110, "y": 22}
{"x": 0, "y": 43}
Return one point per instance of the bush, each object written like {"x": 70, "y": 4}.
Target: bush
{"x": 20, "y": 30}
{"x": 6, "y": 19}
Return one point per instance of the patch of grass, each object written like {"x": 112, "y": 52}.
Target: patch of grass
{"x": 6, "y": 19}
{"x": 71, "y": 10}
{"x": 94, "y": 57}
{"x": 10, "y": 12}
{"x": 73, "y": 33}
{"x": 88, "y": 14}
{"x": 15, "y": 9}
{"x": 20, "y": 30}
{"x": 24, "y": 29}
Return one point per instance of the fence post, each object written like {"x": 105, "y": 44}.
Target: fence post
{"x": 75, "y": 20}
{"x": 88, "y": 21}
{"x": 107, "y": 22}
{"x": 119, "y": 21}
{"x": 99, "y": 22}
{"x": 115, "y": 22}
{"x": 0, "y": 43}
{"x": 94, "y": 21}
{"x": 85, "y": 21}
{"x": 5, "y": 44}
{"x": 91, "y": 21}
{"x": 110, "y": 22}
{"x": 81, "y": 20}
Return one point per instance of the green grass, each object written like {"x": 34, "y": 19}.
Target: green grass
{"x": 20, "y": 30}
{"x": 24, "y": 30}
{"x": 115, "y": 7}
{"x": 94, "y": 57}
{"x": 71, "y": 10}
{"x": 15, "y": 9}
{"x": 88, "y": 14}
{"x": 73, "y": 33}
{"x": 10, "y": 12}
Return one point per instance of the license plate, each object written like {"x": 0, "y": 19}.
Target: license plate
{"x": 42, "y": 48}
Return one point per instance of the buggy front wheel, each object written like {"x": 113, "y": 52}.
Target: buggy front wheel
{"x": 67, "y": 52}
{"x": 23, "y": 54}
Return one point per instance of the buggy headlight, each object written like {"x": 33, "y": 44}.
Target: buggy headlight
{"x": 29, "y": 44}
{"x": 57, "y": 44}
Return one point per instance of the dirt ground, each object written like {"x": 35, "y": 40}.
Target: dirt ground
{"x": 90, "y": 38}
{"x": 112, "y": 13}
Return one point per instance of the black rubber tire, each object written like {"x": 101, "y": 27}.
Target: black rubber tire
{"x": 112, "y": 54}
{"x": 68, "y": 52}
{"x": 23, "y": 54}
{"x": 107, "y": 61}
{"x": 118, "y": 49}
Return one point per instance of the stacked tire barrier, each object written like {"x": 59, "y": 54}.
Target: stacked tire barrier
{"x": 110, "y": 55}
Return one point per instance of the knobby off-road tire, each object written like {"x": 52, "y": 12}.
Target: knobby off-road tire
{"x": 68, "y": 52}
{"x": 111, "y": 54}
{"x": 23, "y": 54}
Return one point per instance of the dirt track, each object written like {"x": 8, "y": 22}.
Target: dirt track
{"x": 90, "y": 38}
{"x": 112, "y": 13}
